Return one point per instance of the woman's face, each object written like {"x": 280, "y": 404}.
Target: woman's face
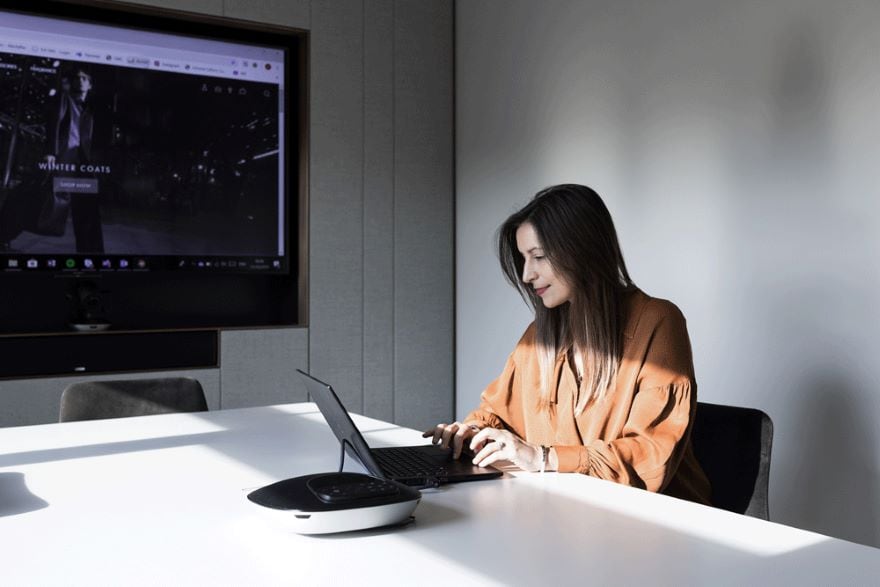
{"x": 552, "y": 288}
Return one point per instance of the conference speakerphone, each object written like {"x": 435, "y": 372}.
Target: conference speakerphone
{"x": 326, "y": 503}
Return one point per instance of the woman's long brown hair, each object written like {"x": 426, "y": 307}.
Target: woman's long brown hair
{"x": 578, "y": 237}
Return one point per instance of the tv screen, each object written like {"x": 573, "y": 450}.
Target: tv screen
{"x": 153, "y": 160}
{"x": 135, "y": 150}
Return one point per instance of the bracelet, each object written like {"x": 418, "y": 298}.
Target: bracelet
{"x": 545, "y": 453}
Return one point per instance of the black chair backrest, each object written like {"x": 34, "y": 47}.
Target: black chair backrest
{"x": 94, "y": 400}
{"x": 733, "y": 447}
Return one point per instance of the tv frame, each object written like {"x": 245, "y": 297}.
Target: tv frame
{"x": 257, "y": 300}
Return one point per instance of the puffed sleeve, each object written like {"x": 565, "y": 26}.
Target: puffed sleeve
{"x": 649, "y": 448}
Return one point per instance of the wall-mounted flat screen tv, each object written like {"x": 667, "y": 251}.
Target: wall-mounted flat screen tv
{"x": 145, "y": 149}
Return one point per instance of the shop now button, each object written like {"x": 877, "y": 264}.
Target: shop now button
{"x": 76, "y": 185}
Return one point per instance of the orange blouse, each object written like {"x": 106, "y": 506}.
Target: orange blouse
{"x": 639, "y": 433}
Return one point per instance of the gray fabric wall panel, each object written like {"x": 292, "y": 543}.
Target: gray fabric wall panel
{"x": 36, "y": 401}
{"x": 336, "y": 198}
{"x": 423, "y": 226}
{"x": 379, "y": 209}
{"x": 258, "y": 367}
{"x": 293, "y": 13}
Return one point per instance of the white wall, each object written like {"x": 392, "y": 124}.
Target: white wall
{"x": 736, "y": 145}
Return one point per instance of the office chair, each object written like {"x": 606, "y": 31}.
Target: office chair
{"x": 733, "y": 447}
{"x": 94, "y": 400}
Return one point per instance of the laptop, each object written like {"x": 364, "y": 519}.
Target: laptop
{"x": 425, "y": 465}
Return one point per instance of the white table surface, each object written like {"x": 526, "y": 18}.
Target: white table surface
{"x": 160, "y": 500}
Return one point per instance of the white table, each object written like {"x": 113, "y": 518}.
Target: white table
{"x": 160, "y": 500}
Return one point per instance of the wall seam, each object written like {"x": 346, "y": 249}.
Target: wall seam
{"x": 394, "y": 210}
{"x": 311, "y": 49}
{"x": 454, "y": 229}
{"x": 363, "y": 205}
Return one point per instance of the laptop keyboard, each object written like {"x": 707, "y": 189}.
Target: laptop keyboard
{"x": 404, "y": 462}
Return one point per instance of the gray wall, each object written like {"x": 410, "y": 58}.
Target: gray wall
{"x": 735, "y": 144}
{"x": 380, "y": 214}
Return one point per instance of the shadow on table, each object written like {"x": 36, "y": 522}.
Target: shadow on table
{"x": 15, "y": 497}
{"x": 621, "y": 542}
{"x": 262, "y": 436}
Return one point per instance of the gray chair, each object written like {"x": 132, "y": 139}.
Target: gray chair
{"x": 94, "y": 400}
{"x": 733, "y": 447}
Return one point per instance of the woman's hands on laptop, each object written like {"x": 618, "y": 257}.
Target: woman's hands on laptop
{"x": 487, "y": 445}
{"x": 492, "y": 445}
{"x": 455, "y": 436}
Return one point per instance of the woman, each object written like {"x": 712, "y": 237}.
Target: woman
{"x": 602, "y": 382}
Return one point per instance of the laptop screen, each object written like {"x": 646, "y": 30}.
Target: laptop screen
{"x": 340, "y": 422}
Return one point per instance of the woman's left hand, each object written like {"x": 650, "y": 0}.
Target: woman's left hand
{"x": 492, "y": 444}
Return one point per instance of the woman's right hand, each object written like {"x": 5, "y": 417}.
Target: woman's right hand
{"x": 455, "y": 435}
